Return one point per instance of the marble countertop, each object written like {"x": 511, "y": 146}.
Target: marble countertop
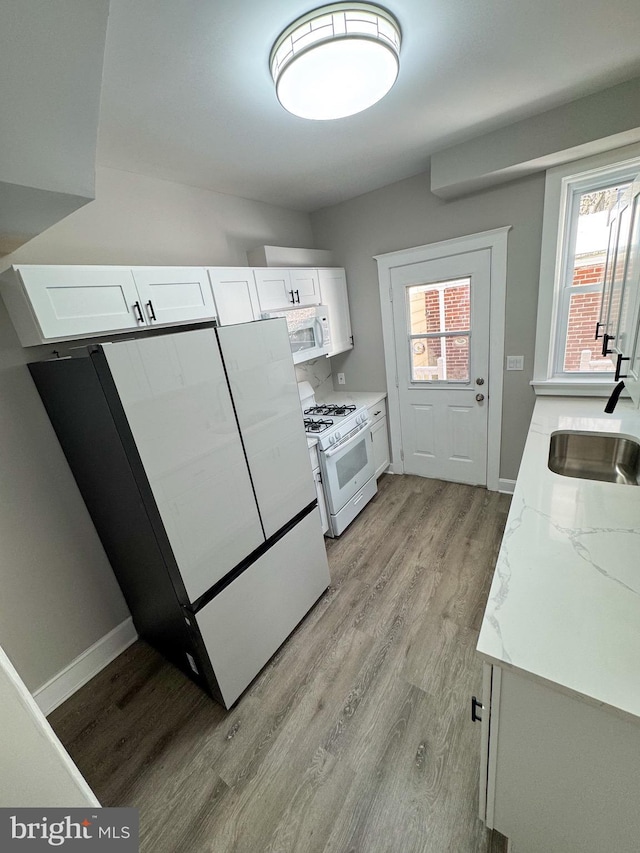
{"x": 564, "y": 604}
{"x": 360, "y": 398}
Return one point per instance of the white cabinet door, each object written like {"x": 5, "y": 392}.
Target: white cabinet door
{"x": 246, "y": 623}
{"x": 305, "y": 286}
{"x": 174, "y": 294}
{"x": 629, "y": 330}
{"x": 286, "y": 288}
{"x": 274, "y": 289}
{"x": 234, "y": 294}
{"x": 262, "y": 378}
{"x": 78, "y": 301}
{"x": 175, "y": 396}
{"x": 380, "y": 441}
{"x": 333, "y": 294}
{"x": 379, "y": 436}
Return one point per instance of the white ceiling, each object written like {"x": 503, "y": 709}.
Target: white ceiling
{"x": 187, "y": 93}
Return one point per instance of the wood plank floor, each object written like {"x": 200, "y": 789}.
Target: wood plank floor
{"x": 357, "y": 736}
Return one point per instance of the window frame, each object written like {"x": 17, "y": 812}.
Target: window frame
{"x": 563, "y": 185}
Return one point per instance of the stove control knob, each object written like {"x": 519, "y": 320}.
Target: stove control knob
{"x": 332, "y": 439}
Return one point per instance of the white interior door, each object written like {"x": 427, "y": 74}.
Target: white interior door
{"x": 441, "y": 328}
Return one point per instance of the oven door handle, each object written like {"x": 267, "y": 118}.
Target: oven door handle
{"x": 337, "y": 449}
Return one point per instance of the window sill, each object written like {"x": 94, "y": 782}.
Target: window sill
{"x": 573, "y": 387}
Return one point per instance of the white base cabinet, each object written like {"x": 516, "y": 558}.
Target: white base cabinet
{"x": 317, "y": 479}
{"x": 561, "y": 773}
{"x": 379, "y": 437}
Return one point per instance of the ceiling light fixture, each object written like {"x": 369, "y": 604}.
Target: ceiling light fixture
{"x": 336, "y": 61}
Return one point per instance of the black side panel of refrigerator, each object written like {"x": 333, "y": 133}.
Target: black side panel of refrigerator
{"x": 82, "y": 418}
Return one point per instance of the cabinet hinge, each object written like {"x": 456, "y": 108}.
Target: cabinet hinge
{"x": 402, "y": 454}
{"x": 390, "y": 294}
{"x": 397, "y": 382}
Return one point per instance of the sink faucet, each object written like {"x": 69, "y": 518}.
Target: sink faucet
{"x": 613, "y": 399}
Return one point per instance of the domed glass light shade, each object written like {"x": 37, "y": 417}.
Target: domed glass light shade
{"x": 336, "y": 61}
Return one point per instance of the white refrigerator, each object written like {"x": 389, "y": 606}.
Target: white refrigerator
{"x": 191, "y": 455}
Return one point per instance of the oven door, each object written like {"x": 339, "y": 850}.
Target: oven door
{"x": 346, "y": 468}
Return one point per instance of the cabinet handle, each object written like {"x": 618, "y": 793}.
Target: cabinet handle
{"x": 293, "y": 300}
{"x": 138, "y": 310}
{"x": 619, "y": 361}
{"x": 597, "y": 335}
{"x": 152, "y": 313}
{"x": 375, "y": 414}
{"x": 298, "y": 297}
{"x": 605, "y": 343}
{"x": 474, "y": 710}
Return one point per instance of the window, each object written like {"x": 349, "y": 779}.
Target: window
{"x": 440, "y": 324}
{"x": 581, "y": 201}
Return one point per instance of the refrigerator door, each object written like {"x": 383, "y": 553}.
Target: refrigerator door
{"x": 263, "y": 385}
{"x": 174, "y": 394}
{"x": 246, "y": 623}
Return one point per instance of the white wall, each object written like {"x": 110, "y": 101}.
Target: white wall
{"x": 51, "y": 58}
{"x": 407, "y": 214}
{"x": 59, "y": 595}
{"x": 141, "y": 220}
{"x": 36, "y": 769}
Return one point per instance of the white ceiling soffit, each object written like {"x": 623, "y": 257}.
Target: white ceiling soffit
{"x": 187, "y": 94}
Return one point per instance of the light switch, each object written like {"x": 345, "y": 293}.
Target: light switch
{"x": 515, "y": 362}
{"x": 341, "y": 379}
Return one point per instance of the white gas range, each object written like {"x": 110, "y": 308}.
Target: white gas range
{"x": 345, "y": 455}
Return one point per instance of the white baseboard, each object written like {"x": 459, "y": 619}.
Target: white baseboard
{"x": 84, "y": 667}
{"x": 506, "y": 487}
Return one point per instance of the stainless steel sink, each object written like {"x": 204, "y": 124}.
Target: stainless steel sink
{"x": 595, "y": 456}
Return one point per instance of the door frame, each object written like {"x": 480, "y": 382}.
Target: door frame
{"x": 496, "y": 241}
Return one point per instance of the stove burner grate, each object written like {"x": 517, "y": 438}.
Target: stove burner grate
{"x": 316, "y": 426}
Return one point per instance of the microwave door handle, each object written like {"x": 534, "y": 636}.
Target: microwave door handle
{"x": 334, "y": 450}
{"x": 319, "y": 333}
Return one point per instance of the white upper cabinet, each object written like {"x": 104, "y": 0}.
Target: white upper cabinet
{"x": 286, "y": 288}
{"x": 174, "y": 294}
{"x": 234, "y": 294}
{"x": 628, "y": 365}
{"x": 49, "y": 303}
{"x": 333, "y": 294}
{"x": 55, "y": 303}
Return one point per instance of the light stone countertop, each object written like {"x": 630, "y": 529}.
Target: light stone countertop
{"x": 360, "y": 398}
{"x": 564, "y": 605}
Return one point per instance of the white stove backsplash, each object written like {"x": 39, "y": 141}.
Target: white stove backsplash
{"x": 317, "y": 373}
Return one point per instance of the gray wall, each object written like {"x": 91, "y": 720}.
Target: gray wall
{"x": 407, "y": 214}
{"x": 59, "y": 595}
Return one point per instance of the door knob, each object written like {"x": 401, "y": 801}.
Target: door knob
{"x": 479, "y": 397}
{"x": 480, "y": 381}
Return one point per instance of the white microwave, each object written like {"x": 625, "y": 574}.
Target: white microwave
{"x": 309, "y": 333}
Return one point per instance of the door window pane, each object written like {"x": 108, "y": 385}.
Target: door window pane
{"x": 442, "y": 358}
{"x": 439, "y": 330}
{"x": 442, "y": 306}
